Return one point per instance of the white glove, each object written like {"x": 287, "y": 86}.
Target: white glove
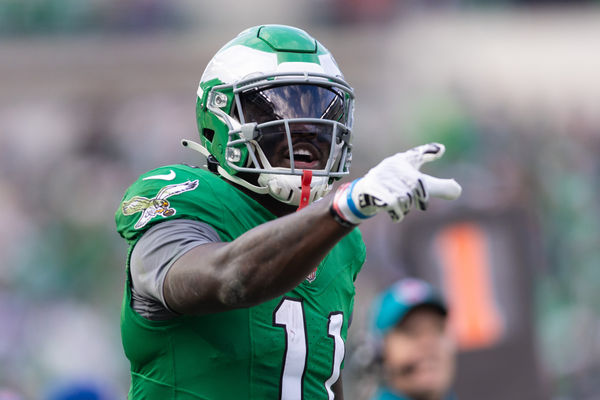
{"x": 394, "y": 185}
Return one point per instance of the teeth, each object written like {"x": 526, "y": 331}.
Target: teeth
{"x": 302, "y": 152}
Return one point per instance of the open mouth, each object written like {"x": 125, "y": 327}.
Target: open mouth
{"x": 306, "y": 156}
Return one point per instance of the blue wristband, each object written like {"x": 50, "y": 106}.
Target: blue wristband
{"x": 351, "y": 204}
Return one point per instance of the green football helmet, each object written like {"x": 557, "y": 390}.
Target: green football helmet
{"x": 271, "y": 104}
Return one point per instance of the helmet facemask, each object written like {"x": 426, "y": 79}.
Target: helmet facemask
{"x": 282, "y": 124}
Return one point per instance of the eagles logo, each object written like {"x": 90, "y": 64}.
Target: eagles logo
{"x": 159, "y": 205}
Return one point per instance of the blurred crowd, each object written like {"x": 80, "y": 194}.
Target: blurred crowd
{"x": 96, "y": 92}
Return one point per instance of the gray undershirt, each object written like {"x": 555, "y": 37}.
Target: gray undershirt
{"x": 153, "y": 256}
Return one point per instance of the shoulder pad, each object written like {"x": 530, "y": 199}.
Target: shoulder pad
{"x": 175, "y": 191}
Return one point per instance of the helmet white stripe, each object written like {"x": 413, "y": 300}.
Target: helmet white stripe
{"x": 226, "y": 65}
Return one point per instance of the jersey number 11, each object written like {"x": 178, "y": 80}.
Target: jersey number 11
{"x": 289, "y": 314}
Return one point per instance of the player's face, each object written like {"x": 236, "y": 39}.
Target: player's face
{"x": 311, "y": 145}
{"x": 419, "y": 355}
{"x": 311, "y": 142}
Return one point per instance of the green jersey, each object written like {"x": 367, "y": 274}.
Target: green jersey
{"x": 291, "y": 347}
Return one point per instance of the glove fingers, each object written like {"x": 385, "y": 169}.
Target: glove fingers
{"x": 387, "y": 198}
{"x": 396, "y": 212}
{"x": 447, "y": 189}
{"x": 421, "y": 195}
{"x": 414, "y": 194}
{"x": 395, "y": 184}
{"x": 419, "y": 155}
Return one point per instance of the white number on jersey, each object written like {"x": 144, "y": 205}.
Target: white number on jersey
{"x": 289, "y": 314}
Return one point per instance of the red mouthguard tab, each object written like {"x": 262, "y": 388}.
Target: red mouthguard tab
{"x": 305, "y": 194}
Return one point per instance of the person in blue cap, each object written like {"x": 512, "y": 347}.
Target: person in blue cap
{"x": 417, "y": 352}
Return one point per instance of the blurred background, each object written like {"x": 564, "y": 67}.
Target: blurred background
{"x": 95, "y": 92}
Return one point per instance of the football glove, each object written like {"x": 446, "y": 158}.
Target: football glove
{"x": 394, "y": 185}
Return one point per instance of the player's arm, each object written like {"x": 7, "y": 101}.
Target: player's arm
{"x": 275, "y": 257}
{"x": 261, "y": 264}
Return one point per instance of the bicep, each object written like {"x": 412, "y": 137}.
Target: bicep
{"x": 159, "y": 249}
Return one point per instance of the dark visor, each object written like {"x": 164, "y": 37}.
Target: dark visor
{"x": 293, "y": 101}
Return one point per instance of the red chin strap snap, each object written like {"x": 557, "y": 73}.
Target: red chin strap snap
{"x": 305, "y": 194}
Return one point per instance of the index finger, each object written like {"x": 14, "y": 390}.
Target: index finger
{"x": 447, "y": 189}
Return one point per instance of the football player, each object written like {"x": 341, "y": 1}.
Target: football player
{"x": 230, "y": 293}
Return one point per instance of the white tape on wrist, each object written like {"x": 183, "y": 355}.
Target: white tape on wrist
{"x": 345, "y": 206}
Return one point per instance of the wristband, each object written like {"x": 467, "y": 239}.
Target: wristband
{"x": 344, "y": 205}
{"x": 339, "y": 219}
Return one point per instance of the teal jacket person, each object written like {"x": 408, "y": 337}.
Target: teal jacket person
{"x": 384, "y": 393}
{"x": 416, "y": 349}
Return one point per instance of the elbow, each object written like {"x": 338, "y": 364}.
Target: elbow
{"x": 241, "y": 287}
{"x": 226, "y": 293}
{"x": 214, "y": 286}
{"x": 237, "y": 288}
{"x": 233, "y": 293}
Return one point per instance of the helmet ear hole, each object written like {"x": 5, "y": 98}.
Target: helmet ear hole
{"x": 208, "y": 134}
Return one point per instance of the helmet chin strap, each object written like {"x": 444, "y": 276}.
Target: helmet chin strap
{"x": 305, "y": 193}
